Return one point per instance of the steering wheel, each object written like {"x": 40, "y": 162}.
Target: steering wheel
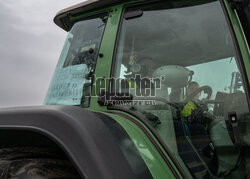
{"x": 207, "y": 89}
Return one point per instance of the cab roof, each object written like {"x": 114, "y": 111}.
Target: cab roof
{"x": 62, "y": 17}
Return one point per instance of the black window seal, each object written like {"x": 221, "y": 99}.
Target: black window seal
{"x": 243, "y": 16}
{"x": 239, "y": 58}
{"x": 243, "y": 30}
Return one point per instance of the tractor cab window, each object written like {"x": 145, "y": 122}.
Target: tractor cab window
{"x": 76, "y": 66}
{"x": 178, "y": 61}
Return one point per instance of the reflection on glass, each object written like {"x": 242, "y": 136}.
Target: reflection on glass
{"x": 73, "y": 76}
{"x": 178, "y": 61}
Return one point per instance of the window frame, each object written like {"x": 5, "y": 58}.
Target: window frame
{"x": 150, "y": 128}
{"x": 238, "y": 59}
{"x": 84, "y": 18}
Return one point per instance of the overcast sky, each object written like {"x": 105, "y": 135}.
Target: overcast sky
{"x": 30, "y": 45}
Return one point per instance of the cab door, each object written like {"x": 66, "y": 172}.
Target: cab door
{"x": 189, "y": 80}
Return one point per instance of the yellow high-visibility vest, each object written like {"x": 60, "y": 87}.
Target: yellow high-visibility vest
{"x": 188, "y": 108}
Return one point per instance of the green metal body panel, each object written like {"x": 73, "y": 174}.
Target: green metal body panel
{"x": 152, "y": 158}
{"x": 122, "y": 120}
{"x": 155, "y": 163}
{"x": 240, "y": 38}
{"x": 104, "y": 64}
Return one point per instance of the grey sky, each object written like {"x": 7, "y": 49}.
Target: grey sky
{"x": 30, "y": 45}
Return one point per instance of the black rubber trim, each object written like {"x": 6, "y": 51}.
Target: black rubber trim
{"x": 239, "y": 59}
{"x": 175, "y": 162}
{"x": 80, "y": 133}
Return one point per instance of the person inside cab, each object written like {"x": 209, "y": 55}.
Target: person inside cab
{"x": 196, "y": 125}
{"x": 193, "y": 104}
{"x": 194, "y": 111}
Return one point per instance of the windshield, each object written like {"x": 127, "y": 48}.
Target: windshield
{"x": 76, "y": 66}
{"x": 178, "y": 60}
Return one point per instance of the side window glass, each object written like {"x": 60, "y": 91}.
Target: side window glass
{"x": 73, "y": 76}
{"x": 178, "y": 61}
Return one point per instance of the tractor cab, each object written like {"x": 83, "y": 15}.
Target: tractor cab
{"x": 180, "y": 70}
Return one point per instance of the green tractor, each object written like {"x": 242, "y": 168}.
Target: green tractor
{"x": 143, "y": 89}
